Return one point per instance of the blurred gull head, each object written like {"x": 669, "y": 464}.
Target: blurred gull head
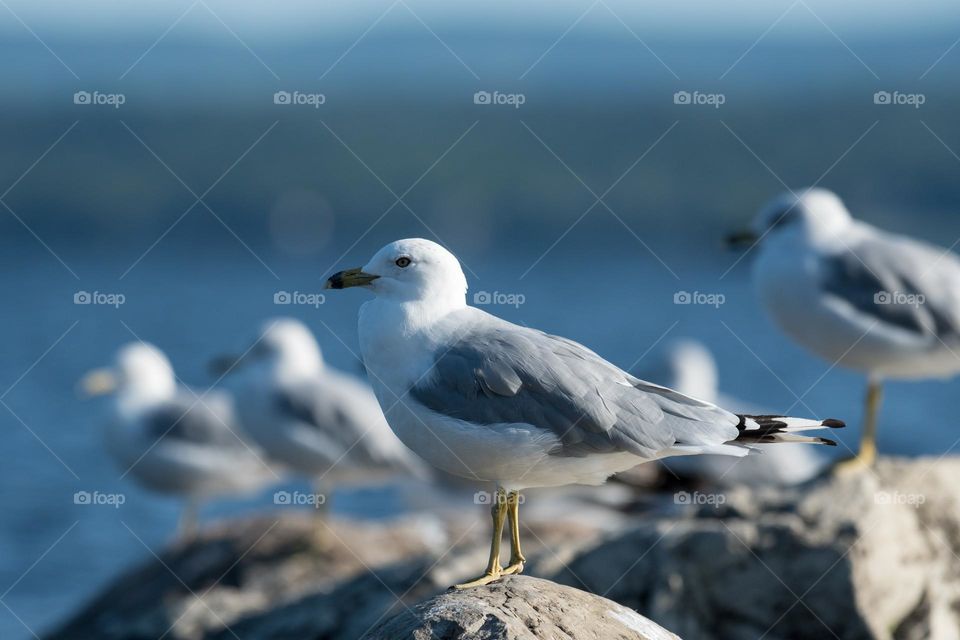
{"x": 808, "y": 215}
{"x": 140, "y": 372}
{"x": 685, "y": 365}
{"x": 289, "y": 345}
{"x": 285, "y": 348}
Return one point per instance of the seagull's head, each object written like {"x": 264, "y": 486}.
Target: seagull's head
{"x": 409, "y": 270}
{"x": 289, "y": 343}
{"x": 139, "y": 369}
{"x": 685, "y": 365}
{"x": 285, "y": 347}
{"x": 813, "y": 214}
{"x": 693, "y": 369}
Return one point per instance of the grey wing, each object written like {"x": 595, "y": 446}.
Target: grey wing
{"x": 189, "y": 420}
{"x": 342, "y": 414}
{"x": 499, "y": 373}
{"x": 899, "y": 282}
{"x": 292, "y": 404}
{"x": 305, "y": 405}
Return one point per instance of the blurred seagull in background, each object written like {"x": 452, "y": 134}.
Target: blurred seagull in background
{"x": 309, "y": 417}
{"x": 485, "y": 399}
{"x": 170, "y": 439}
{"x": 857, "y": 296}
{"x": 687, "y": 366}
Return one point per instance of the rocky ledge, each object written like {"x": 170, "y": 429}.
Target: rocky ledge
{"x": 870, "y": 555}
{"x": 519, "y": 608}
{"x": 875, "y": 554}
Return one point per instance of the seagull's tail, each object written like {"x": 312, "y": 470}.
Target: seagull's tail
{"x": 769, "y": 429}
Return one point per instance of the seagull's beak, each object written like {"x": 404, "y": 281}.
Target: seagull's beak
{"x": 98, "y": 382}
{"x": 349, "y": 278}
{"x": 224, "y": 364}
{"x": 742, "y": 239}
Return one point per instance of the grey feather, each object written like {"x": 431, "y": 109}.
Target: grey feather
{"x": 189, "y": 420}
{"x": 341, "y": 411}
{"x": 498, "y": 373}
{"x": 899, "y": 282}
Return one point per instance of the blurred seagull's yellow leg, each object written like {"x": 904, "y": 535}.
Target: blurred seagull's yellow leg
{"x": 513, "y": 514}
{"x": 188, "y": 525}
{"x": 499, "y": 512}
{"x": 868, "y": 441}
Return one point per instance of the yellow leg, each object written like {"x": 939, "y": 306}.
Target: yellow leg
{"x": 868, "y": 441}
{"x": 189, "y": 519}
{"x": 513, "y": 514}
{"x": 498, "y": 511}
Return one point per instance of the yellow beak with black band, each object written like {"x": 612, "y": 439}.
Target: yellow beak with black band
{"x": 224, "y": 364}
{"x": 349, "y": 278}
{"x": 98, "y": 382}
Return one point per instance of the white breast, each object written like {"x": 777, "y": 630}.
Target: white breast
{"x": 395, "y": 354}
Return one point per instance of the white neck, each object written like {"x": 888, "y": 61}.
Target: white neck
{"x": 398, "y": 336}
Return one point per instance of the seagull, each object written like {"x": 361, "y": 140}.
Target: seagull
{"x": 883, "y": 304}
{"x": 170, "y": 439}
{"x": 485, "y": 399}
{"x": 308, "y": 416}
{"x": 687, "y": 366}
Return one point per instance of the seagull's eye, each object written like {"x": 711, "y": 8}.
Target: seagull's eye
{"x": 403, "y": 262}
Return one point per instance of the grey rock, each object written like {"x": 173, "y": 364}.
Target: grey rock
{"x": 871, "y": 555}
{"x": 238, "y": 570}
{"x": 874, "y": 555}
{"x": 347, "y": 612}
{"x": 518, "y": 608}
{"x": 291, "y": 575}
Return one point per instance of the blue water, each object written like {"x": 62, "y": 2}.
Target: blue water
{"x": 194, "y": 303}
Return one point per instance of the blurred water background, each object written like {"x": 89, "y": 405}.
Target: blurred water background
{"x": 199, "y": 199}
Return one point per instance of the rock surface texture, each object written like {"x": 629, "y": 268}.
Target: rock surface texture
{"x": 519, "y": 608}
{"x": 288, "y": 575}
{"x": 871, "y": 555}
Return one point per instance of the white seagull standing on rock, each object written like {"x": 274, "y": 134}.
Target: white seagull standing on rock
{"x": 485, "y": 399}
{"x": 308, "y": 416}
{"x": 883, "y": 304}
{"x": 170, "y": 439}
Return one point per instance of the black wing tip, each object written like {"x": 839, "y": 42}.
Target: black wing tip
{"x": 834, "y": 423}
{"x": 763, "y": 421}
{"x": 827, "y": 441}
